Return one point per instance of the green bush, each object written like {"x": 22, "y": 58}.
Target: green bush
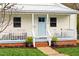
{"x": 29, "y": 40}
{"x": 55, "y": 39}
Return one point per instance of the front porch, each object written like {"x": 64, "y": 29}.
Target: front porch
{"x": 14, "y": 39}
{"x": 61, "y": 31}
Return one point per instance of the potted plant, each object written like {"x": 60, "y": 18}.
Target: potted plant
{"x": 29, "y": 41}
{"x": 54, "y": 41}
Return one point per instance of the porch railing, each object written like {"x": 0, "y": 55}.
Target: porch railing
{"x": 59, "y": 33}
{"x": 49, "y": 37}
{"x": 13, "y": 36}
{"x": 64, "y": 33}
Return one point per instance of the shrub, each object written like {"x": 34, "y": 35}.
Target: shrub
{"x": 29, "y": 40}
{"x": 55, "y": 39}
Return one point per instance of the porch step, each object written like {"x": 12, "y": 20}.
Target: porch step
{"x": 41, "y": 39}
{"x": 41, "y": 44}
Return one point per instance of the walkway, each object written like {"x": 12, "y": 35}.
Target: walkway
{"x": 50, "y": 51}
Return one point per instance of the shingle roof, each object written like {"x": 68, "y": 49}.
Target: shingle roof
{"x": 55, "y": 8}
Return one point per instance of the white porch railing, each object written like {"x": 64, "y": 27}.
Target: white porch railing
{"x": 12, "y": 37}
{"x": 49, "y": 37}
{"x": 59, "y": 33}
{"x": 64, "y": 33}
{"x": 46, "y": 38}
{"x": 33, "y": 35}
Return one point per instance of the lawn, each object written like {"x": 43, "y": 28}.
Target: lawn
{"x": 73, "y": 51}
{"x": 20, "y": 52}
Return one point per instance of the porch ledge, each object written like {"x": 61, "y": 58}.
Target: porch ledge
{"x": 62, "y": 39}
{"x": 12, "y": 41}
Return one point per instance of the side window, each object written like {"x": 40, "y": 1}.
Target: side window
{"x": 17, "y": 22}
{"x": 53, "y": 22}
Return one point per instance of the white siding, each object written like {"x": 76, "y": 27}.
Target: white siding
{"x": 63, "y": 21}
{"x": 26, "y": 24}
{"x": 73, "y": 23}
{"x": 73, "y": 19}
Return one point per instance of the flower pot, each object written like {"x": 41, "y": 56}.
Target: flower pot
{"x": 54, "y": 44}
{"x": 29, "y": 45}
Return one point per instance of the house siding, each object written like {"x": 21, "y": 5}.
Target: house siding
{"x": 63, "y": 21}
{"x": 26, "y": 25}
{"x": 73, "y": 24}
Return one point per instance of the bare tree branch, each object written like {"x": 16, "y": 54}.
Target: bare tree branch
{"x": 5, "y": 6}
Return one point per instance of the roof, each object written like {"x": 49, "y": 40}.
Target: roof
{"x": 55, "y": 8}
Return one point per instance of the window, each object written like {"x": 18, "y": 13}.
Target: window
{"x": 41, "y": 19}
{"x": 53, "y": 21}
{"x": 17, "y": 22}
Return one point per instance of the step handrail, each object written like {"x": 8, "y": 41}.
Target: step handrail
{"x": 49, "y": 38}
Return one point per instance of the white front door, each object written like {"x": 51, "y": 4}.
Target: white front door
{"x": 41, "y": 26}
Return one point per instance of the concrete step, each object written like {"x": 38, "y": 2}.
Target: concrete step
{"x": 41, "y": 39}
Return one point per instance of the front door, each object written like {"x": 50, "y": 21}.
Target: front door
{"x": 41, "y": 26}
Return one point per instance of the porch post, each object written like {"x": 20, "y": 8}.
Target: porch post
{"x": 49, "y": 38}
{"x": 47, "y": 22}
{"x": 33, "y": 29}
{"x": 69, "y": 21}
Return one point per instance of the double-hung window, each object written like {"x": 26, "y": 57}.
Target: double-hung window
{"x": 53, "y": 22}
{"x": 17, "y": 21}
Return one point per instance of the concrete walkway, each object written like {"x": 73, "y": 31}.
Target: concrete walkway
{"x": 50, "y": 51}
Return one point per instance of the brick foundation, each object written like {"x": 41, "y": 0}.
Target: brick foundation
{"x": 13, "y": 45}
{"x": 41, "y": 44}
{"x": 67, "y": 42}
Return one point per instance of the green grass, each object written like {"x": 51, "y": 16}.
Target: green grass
{"x": 20, "y": 52}
{"x": 74, "y": 51}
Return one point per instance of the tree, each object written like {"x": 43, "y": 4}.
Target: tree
{"x": 72, "y": 5}
{"x": 4, "y": 23}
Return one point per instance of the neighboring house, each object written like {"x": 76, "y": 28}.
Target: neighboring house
{"x": 42, "y": 22}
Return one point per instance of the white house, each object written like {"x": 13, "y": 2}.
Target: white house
{"x": 42, "y": 22}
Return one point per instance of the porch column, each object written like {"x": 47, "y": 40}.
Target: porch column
{"x": 69, "y": 21}
{"x": 33, "y": 29}
{"x": 48, "y": 32}
{"x": 47, "y": 23}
